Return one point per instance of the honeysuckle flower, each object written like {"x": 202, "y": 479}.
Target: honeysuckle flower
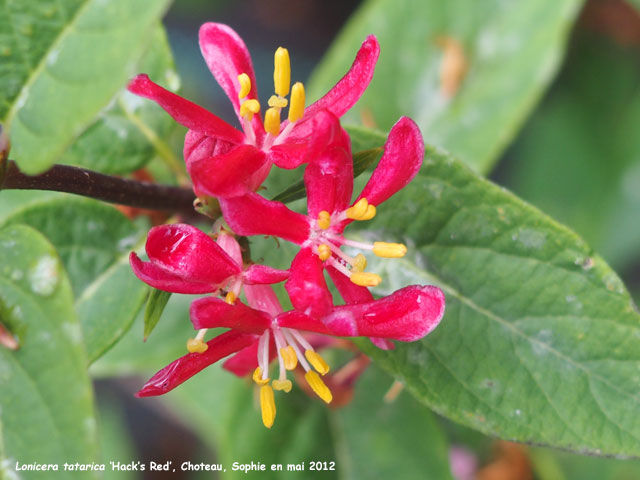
{"x": 329, "y": 183}
{"x": 224, "y": 161}
{"x": 183, "y": 259}
{"x": 262, "y": 327}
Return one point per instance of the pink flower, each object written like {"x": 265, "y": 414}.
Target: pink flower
{"x": 262, "y": 331}
{"x": 224, "y": 161}
{"x": 329, "y": 184}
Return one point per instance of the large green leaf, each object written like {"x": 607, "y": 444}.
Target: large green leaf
{"x": 65, "y": 60}
{"x": 512, "y": 50}
{"x": 94, "y": 241}
{"x": 46, "y": 398}
{"x": 540, "y": 340}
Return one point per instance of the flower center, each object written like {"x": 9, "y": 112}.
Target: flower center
{"x": 282, "y": 83}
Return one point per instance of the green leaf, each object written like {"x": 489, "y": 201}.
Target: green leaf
{"x": 94, "y": 241}
{"x": 361, "y": 161}
{"x": 153, "y": 311}
{"x": 65, "y": 62}
{"x": 512, "y": 50}
{"x": 540, "y": 339}
{"x": 131, "y": 131}
{"x": 45, "y": 396}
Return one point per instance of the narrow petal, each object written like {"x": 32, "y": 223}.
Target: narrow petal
{"x": 159, "y": 278}
{"x": 306, "y": 286}
{"x": 329, "y": 176}
{"x": 400, "y": 162}
{"x": 231, "y": 174}
{"x": 350, "y": 292}
{"x": 186, "y": 367}
{"x": 263, "y": 298}
{"x": 347, "y": 91}
{"x": 189, "y": 253}
{"x": 245, "y": 361}
{"x": 186, "y": 113}
{"x": 252, "y": 214}
{"x": 263, "y": 274}
{"x": 227, "y": 57}
{"x": 210, "y": 312}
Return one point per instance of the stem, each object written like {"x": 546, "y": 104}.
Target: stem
{"x": 63, "y": 178}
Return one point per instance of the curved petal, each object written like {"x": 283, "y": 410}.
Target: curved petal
{"x": 288, "y": 155}
{"x": 245, "y": 361}
{"x": 252, "y": 214}
{"x": 210, "y": 312}
{"x": 329, "y": 176}
{"x": 186, "y": 367}
{"x": 198, "y": 146}
{"x": 186, "y": 113}
{"x": 162, "y": 279}
{"x": 189, "y": 253}
{"x": 228, "y": 175}
{"x": 227, "y": 57}
{"x": 263, "y": 298}
{"x": 306, "y": 286}
{"x": 400, "y": 162}
{"x": 347, "y": 91}
{"x": 350, "y": 292}
{"x": 263, "y": 274}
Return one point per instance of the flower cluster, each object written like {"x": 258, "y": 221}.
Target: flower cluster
{"x": 230, "y": 165}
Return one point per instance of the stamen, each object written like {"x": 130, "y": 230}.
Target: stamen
{"x": 272, "y": 121}
{"x": 230, "y": 298}
{"x": 289, "y": 357}
{"x": 277, "y": 102}
{"x": 318, "y": 386}
{"x": 296, "y": 110}
{"x": 245, "y": 85}
{"x": 284, "y": 385}
{"x": 249, "y": 108}
{"x": 359, "y": 264}
{"x": 282, "y": 72}
{"x": 257, "y": 377}
{"x": 389, "y": 250}
{"x": 292, "y": 343}
{"x": 317, "y": 361}
{"x": 324, "y": 220}
{"x": 358, "y": 210}
{"x": 365, "y": 279}
{"x": 370, "y": 213}
{"x": 196, "y": 345}
{"x": 324, "y": 251}
{"x": 267, "y": 405}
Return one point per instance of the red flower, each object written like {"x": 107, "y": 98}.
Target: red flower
{"x": 329, "y": 184}
{"x": 224, "y": 161}
{"x": 406, "y": 315}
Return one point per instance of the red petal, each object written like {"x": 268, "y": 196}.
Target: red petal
{"x": 350, "y": 292}
{"x": 262, "y": 274}
{"x": 306, "y": 286}
{"x": 189, "y": 253}
{"x": 288, "y": 155}
{"x": 252, "y": 214}
{"x": 186, "y": 367}
{"x": 198, "y": 146}
{"x": 186, "y": 113}
{"x": 213, "y": 312}
{"x": 329, "y": 176}
{"x": 162, "y": 279}
{"x": 382, "y": 343}
{"x": 234, "y": 173}
{"x": 263, "y": 298}
{"x": 227, "y": 57}
{"x": 400, "y": 162}
{"x": 244, "y": 362}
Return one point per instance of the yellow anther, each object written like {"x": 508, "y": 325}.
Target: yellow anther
{"x": 370, "y": 213}
{"x": 389, "y": 250}
{"x": 317, "y": 361}
{"x": 324, "y": 251}
{"x": 282, "y": 72}
{"x": 267, "y": 405}
{"x": 283, "y": 385}
{"x": 318, "y": 386}
{"x": 296, "y": 110}
{"x": 365, "y": 279}
{"x": 257, "y": 377}
{"x": 230, "y": 298}
{"x": 324, "y": 220}
{"x": 272, "y": 121}
{"x": 358, "y": 210}
{"x": 289, "y": 357}
{"x": 245, "y": 85}
{"x": 196, "y": 345}
{"x": 277, "y": 102}
{"x": 249, "y": 108}
{"x": 359, "y": 264}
